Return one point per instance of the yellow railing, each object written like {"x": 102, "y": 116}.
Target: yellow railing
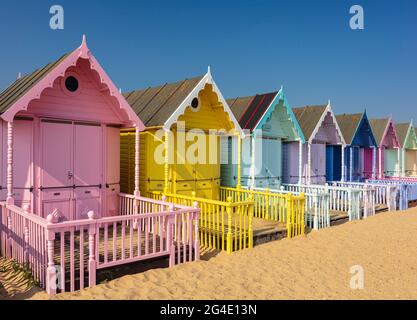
{"x": 281, "y": 207}
{"x": 224, "y": 225}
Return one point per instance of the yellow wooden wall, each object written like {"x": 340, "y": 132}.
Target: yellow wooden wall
{"x": 127, "y": 162}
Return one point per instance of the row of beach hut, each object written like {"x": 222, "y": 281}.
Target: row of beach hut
{"x": 305, "y": 145}
{"x": 92, "y": 178}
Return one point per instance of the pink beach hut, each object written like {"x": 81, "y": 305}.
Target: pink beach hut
{"x": 388, "y": 151}
{"x": 60, "y": 175}
{"x": 60, "y": 133}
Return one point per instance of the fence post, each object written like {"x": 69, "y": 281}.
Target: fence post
{"x": 229, "y": 225}
{"x": 196, "y": 233}
{"x": 350, "y": 201}
{"x": 92, "y": 263}
{"x": 289, "y": 215}
{"x": 302, "y": 213}
{"x": 250, "y": 230}
{"x": 366, "y": 204}
{"x": 51, "y": 271}
{"x": 267, "y": 204}
{"x": 26, "y": 237}
{"x": 172, "y": 227}
{"x": 315, "y": 204}
{"x": 9, "y": 234}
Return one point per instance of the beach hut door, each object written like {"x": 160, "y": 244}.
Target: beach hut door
{"x": 71, "y": 169}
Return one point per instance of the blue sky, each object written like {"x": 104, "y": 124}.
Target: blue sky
{"x": 251, "y": 46}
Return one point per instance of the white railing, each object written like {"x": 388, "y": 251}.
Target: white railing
{"x": 406, "y": 190}
{"x": 340, "y": 199}
{"x": 317, "y": 207}
{"x": 383, "y": 195}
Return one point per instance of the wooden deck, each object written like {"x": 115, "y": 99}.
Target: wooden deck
{"x": 267, "y": 230}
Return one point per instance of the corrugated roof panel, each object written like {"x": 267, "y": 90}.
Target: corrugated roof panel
{"x": 239, "y": 106}
{"x": 308, "y": 117}
{"x": 21, "y": 86}
{"x": 256, "y": 111}
{"x": 174, "y": 101}
{"x": 402, "y": 130}
{"x": 378, "y": 128}
{"x": 155, "y": 105}
{"x": 249, "y": 110}
{"x": 348, "y": 123}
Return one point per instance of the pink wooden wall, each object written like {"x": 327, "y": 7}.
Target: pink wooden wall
{"x": 57, "y": 154}
{"x": 367, "y": 162}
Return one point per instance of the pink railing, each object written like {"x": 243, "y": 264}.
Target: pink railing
{"x": 23, "y": 238}
{"x": 65, "y": 256}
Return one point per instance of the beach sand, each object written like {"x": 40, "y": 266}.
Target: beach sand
{"x": 315, "y": 266}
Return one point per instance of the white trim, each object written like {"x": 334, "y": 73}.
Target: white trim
{"x": 323, "y": 116}
{"x": 207, "y": 79}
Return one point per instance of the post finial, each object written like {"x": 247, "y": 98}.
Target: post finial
{"x": 91, "y": 215}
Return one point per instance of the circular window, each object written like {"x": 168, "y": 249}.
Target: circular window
{"x": 71, "y": 84}
{"x": 194, "y": 103}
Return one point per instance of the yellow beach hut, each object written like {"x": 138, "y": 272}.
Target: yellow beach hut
{"x": 187, "y": 118}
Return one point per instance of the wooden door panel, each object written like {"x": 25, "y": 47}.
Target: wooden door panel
{"x": 87, "y": 199}
{"x": 112, "y": 198}
{"x": 56, "y": 154}
{"x": 22, "y": 158}
{"x": 113, "y": 155}
{"x": 87, "y": 155}
{"x": 58, "y": 199}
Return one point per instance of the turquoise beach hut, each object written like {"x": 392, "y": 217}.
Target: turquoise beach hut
{"x": 271, "y": 130}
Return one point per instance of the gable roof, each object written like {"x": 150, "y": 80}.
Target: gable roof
{"x": 378, "y": 127}
{"x": 402, "y": 131}
{"x": 308, "y": 118}
{"x": 23, "y": 85}
{"x": 163, "y": 105}
{"x": 20, "y": 93}
{"x": 155, "y": 105}
{"x": 348, "y": 124}
{"x": 250, "y": 110}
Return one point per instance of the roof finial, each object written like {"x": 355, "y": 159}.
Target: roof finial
{"x": 209, "y": 70}
{"x": 328, "y": 102}
{"x": 84, "y": 48}
{"x": 282, "y": 87}
{"x": 19, "y": 75}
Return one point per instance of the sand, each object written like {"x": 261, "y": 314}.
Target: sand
{"x": 315, "y": 266}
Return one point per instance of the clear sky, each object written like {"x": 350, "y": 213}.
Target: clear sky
{"x": 251, "y": 46}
